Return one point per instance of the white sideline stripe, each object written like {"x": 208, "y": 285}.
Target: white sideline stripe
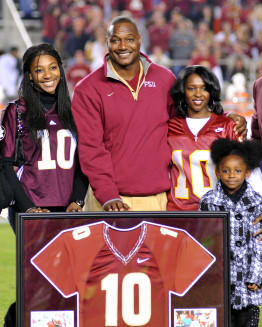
{"x": 4, "y": 215}
{"x": 18, "y": 21}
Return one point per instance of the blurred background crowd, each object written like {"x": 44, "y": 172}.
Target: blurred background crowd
{"x": 224, "y": 35}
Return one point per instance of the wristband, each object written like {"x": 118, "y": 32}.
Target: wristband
{"x": 80, "y": 203}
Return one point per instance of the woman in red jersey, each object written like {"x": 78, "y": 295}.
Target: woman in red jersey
{"x": 198, "y": 122}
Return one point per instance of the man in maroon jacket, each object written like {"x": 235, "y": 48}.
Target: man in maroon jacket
{"x": 121, "y": 111}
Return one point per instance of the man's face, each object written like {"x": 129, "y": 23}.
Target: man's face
{"x": 124, "y": 44}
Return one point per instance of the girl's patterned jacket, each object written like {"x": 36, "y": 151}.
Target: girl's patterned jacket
{"x": 245, "y": 249}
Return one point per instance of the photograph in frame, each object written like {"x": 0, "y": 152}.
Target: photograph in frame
{"x": 195, "y": 317}
{"x": 123, "y": 269}
{"x": 52, "y": 319}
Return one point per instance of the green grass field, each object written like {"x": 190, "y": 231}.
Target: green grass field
{"x": 7, "y": 270}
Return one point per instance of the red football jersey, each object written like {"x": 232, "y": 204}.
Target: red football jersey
{"x": 48, "y": 173}
{"x": 193, "y": 172}
{"x": 123, "y": 277}
{"x": 76, "y": 72}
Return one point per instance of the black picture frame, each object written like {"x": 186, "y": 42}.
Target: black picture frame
{"x": 211, "y": 291}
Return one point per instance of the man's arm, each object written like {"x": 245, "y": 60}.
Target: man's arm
{"x": 241, "y": 124}
{"x": 94, "y": 157}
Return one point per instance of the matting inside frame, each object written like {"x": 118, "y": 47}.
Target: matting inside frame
{"x": 109, "y": 273}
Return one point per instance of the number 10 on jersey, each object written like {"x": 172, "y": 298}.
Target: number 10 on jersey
{"x": 110, "y": 284}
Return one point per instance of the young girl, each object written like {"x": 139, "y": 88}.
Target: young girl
{"x": 234, "y": 162}
{"x": 49, "y": 172}
{"x": 198, "y": 122}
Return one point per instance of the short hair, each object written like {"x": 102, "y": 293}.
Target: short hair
{"x": 177, "y": 91}
{"x": 250, "y": 151}
{"x": 14, "y": 49}
{"x": 121, "y": 19}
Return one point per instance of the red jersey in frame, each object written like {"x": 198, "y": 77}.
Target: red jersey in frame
{"x": 123, "y": 277}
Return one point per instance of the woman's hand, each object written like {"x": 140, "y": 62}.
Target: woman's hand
{"x": 73, "y": 207}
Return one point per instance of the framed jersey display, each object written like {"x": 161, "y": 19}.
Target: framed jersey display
{"x": 122, "y": 269}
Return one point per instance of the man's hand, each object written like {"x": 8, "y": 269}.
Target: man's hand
{"x": 257, "y": 220}
{"x": 241, "y": 125}
{"x": 116, "y": 205}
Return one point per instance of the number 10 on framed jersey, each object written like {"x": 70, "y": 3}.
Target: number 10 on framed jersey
{"x": 135, "y": 276}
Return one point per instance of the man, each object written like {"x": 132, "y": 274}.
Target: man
{"x": 121, "y": 111}
{"x": 9, "y": 73}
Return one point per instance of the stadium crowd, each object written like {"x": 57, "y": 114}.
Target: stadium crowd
{"x": 220, "y": 42}
{"x": 225, "y": 36}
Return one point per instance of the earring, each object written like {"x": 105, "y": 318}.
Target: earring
{"x": 211, "y": 107}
